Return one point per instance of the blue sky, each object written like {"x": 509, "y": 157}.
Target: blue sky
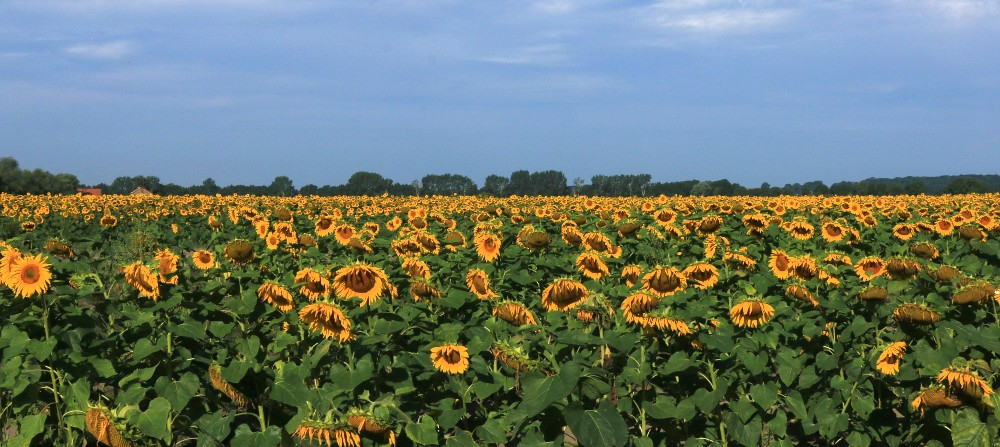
{"x": 246, "y": 90}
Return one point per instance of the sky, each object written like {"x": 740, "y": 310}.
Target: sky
{"x": 242, "y": 91}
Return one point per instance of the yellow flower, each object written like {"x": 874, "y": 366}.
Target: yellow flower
{"x": 276, "y": 295}
{"x": 479, "y": 284}
{"x": 328, "y": 319}
{"x": 487, "y": 246}
{"x": 966, "y": 381}
{"x": 751, "y": 313}
{"x": 592, "y": 266}
{"x": 314, "y": 284}
{"x": 140, "y": 277}
{"x": 450, "y": 359}
{"x": 703, "y": 274}
{"x": 563, "y": 294}
{"x": 888, "y": 361}
{"x": 28, "y": 276}
{"x": 514, "y": 313}
{"x": 203, "y": 259}
{"x": 363, "y": 281}
{"x": 664, "y": 281}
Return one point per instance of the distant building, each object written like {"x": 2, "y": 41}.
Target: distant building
{"x": 89, "y": 191}
{"x": 140, "y": 191}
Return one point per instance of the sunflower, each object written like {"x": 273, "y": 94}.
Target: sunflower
{"x": 945, "y": 273}
{"x": 564, "y": 294}
{"x": 99, "y": 425}
{"x": 203, "y": 259}
{"x": 873, "y": 293}
{"x": 901, "y": 268}
{"x": 28, "y": 275}
{"x": 224, "y": 387}
{"x": 324, "y": 226}
{"x": 592, "y": 266}
{"x": 479, "y": 284}
{"x": 109, "y": 221}
{"x": 364, "y": 281}
{"x": 973, "y": 293}
{"x": 28, "y": 226}
{"x": 276, "y": 295}
{"x": 514, "y": 313}
{"x": 328, "y": 432}
{"x": 751, "y": 313}
{"x": 869, "y": 267}
{"x": 925, "y": 250}
{"x": 636, "y": 306}
{"x": 965, "y": 380}
{"x": 367, "y": 424}
{"x": 421, "y": 289}
{"x": 888, "y": 361}
{"x": 571, "y": 235}
{"x": 535, "y": 241}
{"x": 709, "y": 224}
{"x": 943, "y": 227}
{"x": 450, "y": 359}
{"x": 262, "y": 227}
{"x": 915, "y": 314}
{"x": 167, "y": 264}
{"x": 415, "y": 268}
{"x": 756, "y": 224}
{"x": 934, "y": 397}
{"x": 59, "y": 248}
{"x": 800, "y": 230}
{"x": 804, "y": 268}
{"x": 703, "y": 274}
{"x": 597, "y": 242}
{"x": 832, "y": 232}
{"x": 780, "y": 264}
{"x": 513, "y": 357}
{"x": 710, "y": 245}
{"x": 286, "y": 232}
{"x": 970, "y": 232}
{"x": 487, "y": 246}
{"x": 328, "y": 319}
{"x": 664, "y": 281}
{"x": 143, "y": 279}
{"x": 272, "y": 240}
{"x": 904, "y": 231}
{"x": 630, "y": 273}
{"x": 314, "y": 284}
{"x": 10, "y": 254}
{"x": 662, "y": 321}
{"x": 837, "y": 258}
{"x": 453, "y": 241}
{"x": 394, "y": 223}
{"x": 741, "y": 261}
{"x": 800, "y": 293}
{"x": 239, "y": 252}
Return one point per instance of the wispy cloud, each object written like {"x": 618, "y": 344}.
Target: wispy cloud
{"x": 965, "y": 9}
{"x": 545, "y": 54}
{"x": 716, "y": 16}
{"x": 108, "y": 50}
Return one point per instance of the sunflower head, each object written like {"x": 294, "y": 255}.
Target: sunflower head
{"x": 873, "y": 293}
{"x": 513, "y": 357}
{"x": 364, "y": 281}
{"x": 973, "y": 293}
{"x": 239, "y": 252}
{"x": 925, "y": 250}
{"x": 59, "y": 248}
{"x": 915, "y": 314}
{"x": 479, "y": 284}
{"x": 564, "y": 294}
{"x": 751, "y": 313}
{"x": 276, "y": 295}
{"x": 450, "y": 358}
{"x": 664, "y": 281}
{"x": 203, "y": 259}
{"x": 888, "y": 361}
{"x": 327, "y": 319}
{"x": 487, "y": 246}
{"x": 27, "y": 276}
{"x": 592, "y": 266}
{"x": 514, "y": 313}
{"x": 934, "y": 397}
{"x": 945, "y": 273}
{"x": 702, "y": 274}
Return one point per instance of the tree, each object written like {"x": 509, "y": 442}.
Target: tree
{"x": 367, "y": 183}
{"x": 915, "y": 187}
{"x": 577, "y": 183}
{"x": 208, "y": 187}
{"x": 551, "y": 183}
{"x": 965, "y": 185}
{"x": 495, "y": 185}
{"x": 281, "y": 186}
{"x": 446, "y": 184}
{"x": 701, "y": 188}
{"x": 520, "y": 183}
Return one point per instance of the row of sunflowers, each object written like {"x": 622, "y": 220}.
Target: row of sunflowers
{"x": 265, "y": 321}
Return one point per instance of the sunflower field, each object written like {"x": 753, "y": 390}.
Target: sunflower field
{"x": 521, "y": 321}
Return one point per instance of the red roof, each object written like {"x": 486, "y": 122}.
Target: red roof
{"x": 89, "y": 191}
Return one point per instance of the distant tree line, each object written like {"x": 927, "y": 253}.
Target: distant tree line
{"x": 522, "y": 182}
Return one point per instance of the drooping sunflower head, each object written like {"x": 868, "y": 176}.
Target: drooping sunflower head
{"x": 888, "y": 361}
{"x": 661, "y": 320}
{"x": 276, "y": 295}
{"x": 780, "y": 264}
{"x": 664, "y": 281}
{"x": 514, "y": 313}
{"x": 536, "y": 240}
{"x": 422, "y": 289}
{"x": 962, "y": 377}
{"x": 479, "y": 284}
{"x": 925, "y": 250}
{"x": 971, "y": 232}
{"x": 869, "y": 267}
{"x": 327, "y": 319}
{"x": 59, "y": 248}
{"x": 564, "y": 294}
{"x": 709, "y": 224}
{"x": 630, "y": 273}
{"x": 636, "y": 306}
{"x": 801, "y": 293}
{"x": 904, "y": 231}
{"x": 934, "y": 397}
{"x": 327, "y": 431}
{"x": 592, "y": 266}
{"x": 751, "y": 313}
{"x": 239, "y": 252}
{"x": 973, "y": 293}
{"x": 800, "y": 229}
{"x": 364, "y": 281}
{"x": 513, "y": 357}
{"x": 873, "y": 293}
{"x": 740, "y": 261}
{"x": 945, "y": 273}
{"x": 368, "y": 424}
{"x": 901, "y": 268}
{"x": 915, "y": 314}
{"x": 315, "y": 285}
{"x": 450, "y": 358}
{"x": 703, "y": 274}
{"x": 415, "y": 268}
{"x": 102, "y": 425}
{"x": 143, "y": 279}
{"x": 833, "y": 232}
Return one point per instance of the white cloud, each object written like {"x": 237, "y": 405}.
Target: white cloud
{"x": 109, "y": 50}
{"x": 546, "y": 54}
{"x": 716, "y": 16}
{"x": 965, "y": 9}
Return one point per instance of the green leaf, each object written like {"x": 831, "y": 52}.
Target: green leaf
{"x": 31, "y": 426}
{"x": 76, "y": 397}
{"x": 145, "y": 348}
{"x": 179, "y": 393}
{"x": 217, "y": 425}
{"x": 765, "y": 394}
{"x": 103, "y": 367}
{"x": 461, "y": 438}
{"x": 969, "y": 431}
{"x": 244, "y": 437}
{"x": 863, "y": 404}
{"x": 492, "y": 432}
{"x": 191, "y": 329}
{"x": 539, "y": 393}
{"x": 424, "y": 431}
{"x": 290, "y": 387}
{"x": 153, "y": 421}
{"x": 603, "y": 427}
{"x": 858, "y": 439}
